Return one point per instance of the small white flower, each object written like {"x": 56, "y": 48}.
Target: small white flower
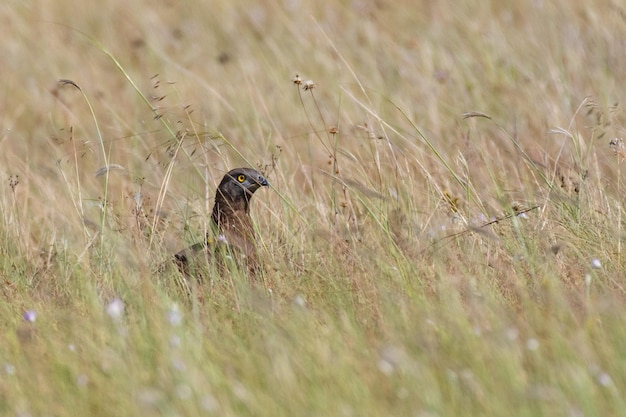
{"x": 391, "y": 358}
{"x": 299, "y": 301}
{"x": 115, "y": 309}
{"x": 175, "y": 316}
{"x": 385, "y": 366}
{"x": 30, "y": 316}
{"x": 605, "y": 379}
{"x": 596, "y": 264}
{"x": 532, "y": 344}
{"x": 9, "y": 369}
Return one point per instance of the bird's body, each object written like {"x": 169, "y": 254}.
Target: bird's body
{"x": 232, "y": 232}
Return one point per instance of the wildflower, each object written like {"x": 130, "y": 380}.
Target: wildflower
{"x": 308, "y": 85}
{"x": 175, "y": 316}
{"x": 390, "y": 359}
{"x": 605, "y": 379}
{"x": 30, "y": 316}
{"x": 385, "y": 366}
{"x": 532, "y": 344}
{"x": 9, "y": 369}
{"x": 115, "y": 308}
{"x": 297, "y": 80}
{"x": 299, "y": 301}
{"x": 595, "y": 264}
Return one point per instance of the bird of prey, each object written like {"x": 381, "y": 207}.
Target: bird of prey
{"x": 232, "y": 233}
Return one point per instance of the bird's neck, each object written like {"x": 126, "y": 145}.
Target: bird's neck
{"x": 229, "y": 214}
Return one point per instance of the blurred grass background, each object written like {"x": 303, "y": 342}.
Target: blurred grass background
{"x": 383, "y": 292}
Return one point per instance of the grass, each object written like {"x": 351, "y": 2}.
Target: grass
{"x": 442, "y": 236}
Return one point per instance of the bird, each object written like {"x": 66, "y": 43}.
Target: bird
{"x": 232, "y": 233}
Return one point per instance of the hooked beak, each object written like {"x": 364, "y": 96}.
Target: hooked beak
{"x": 262, "y": 181}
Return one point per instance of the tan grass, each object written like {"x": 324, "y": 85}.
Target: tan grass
{"x": 442, "y": 234}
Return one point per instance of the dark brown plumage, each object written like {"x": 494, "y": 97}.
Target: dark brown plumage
{"x": 232, "y": 232}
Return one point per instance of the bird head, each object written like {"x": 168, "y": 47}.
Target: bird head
{"x": 241, "y": 183}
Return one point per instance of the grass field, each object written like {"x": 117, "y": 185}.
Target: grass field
{"x": 442, "y": 235}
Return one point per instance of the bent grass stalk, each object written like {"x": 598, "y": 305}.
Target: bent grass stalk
{"x": 105, "y": 158}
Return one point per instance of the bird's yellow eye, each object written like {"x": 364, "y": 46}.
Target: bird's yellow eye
{"x": 241, "y": 178}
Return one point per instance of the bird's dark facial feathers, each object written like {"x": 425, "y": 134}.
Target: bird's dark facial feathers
{"x": 242, "y": 182}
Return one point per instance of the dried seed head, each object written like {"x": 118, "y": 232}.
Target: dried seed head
{"x": 308, "y": 85}
{"x": 14, "y": 180}
{"x": 617, "y": 146}
{"x": 451, "y": 201}
{"x": 112, "y": 167}
{"x": 616, "y": 143}
{"x": 297, "y": 80}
